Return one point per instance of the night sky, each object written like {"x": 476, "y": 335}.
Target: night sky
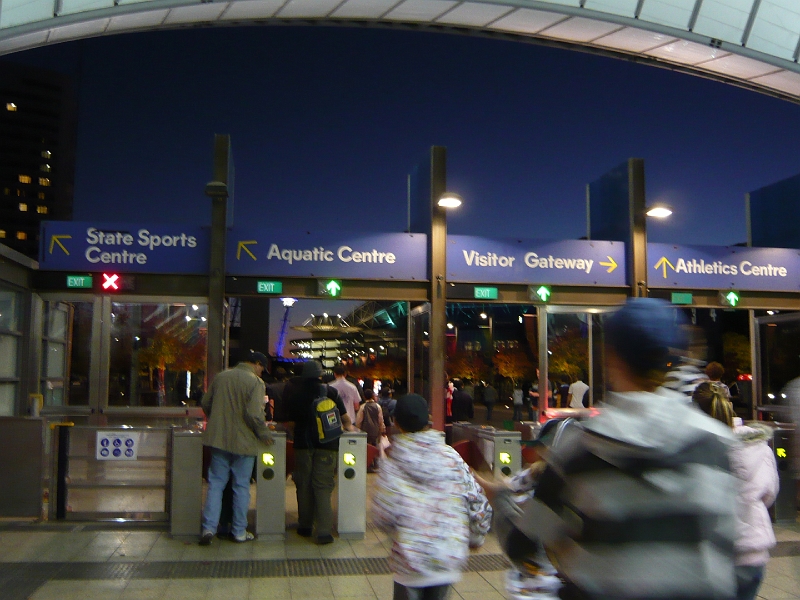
{"x": 326, "y": 123}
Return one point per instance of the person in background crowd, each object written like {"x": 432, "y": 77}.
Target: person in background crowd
{"x": 234, "y": 405}
{"x": 563, "y": 392}
{"x": 517, "y": 402}
{"x": 279, "y": 411}
{"x": 463, "y": 406}
{"x": 489, "y": 400}
{"x": 387, "y": 405}
{"x": 754, "y": 465}
{"x": 315, "y": 462}
{"x": 577, "y": 391}
{"x": 348, "y": 392}
{"x": 429, "y": 504}
{"x": 639, "y": 501}
{"x": 448, "y": 401}
{"x": 714, "y": 371}
{"x": 370, "y": 419}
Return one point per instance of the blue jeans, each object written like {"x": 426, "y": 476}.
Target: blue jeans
{"x": 223, "y": 466}
{"x": 748, "y": 580}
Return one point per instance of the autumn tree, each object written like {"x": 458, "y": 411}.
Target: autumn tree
{"x": 570, "y": 354}
{"x": 467, "y": 365}
{"x": 513, "y": 364}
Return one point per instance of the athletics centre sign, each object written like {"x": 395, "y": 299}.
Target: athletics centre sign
{"x": 723, "y": 267}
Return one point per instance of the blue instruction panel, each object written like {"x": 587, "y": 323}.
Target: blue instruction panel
{"x": 567, "y": 262}
{"x": 327, "y": 253}
{"x": 123, "y": 248}
{"x": 723, "y": 267}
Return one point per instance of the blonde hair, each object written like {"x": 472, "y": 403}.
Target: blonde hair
{"x": 711, "y": 398}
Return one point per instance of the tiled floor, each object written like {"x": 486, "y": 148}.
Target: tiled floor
{"x": 70, "y": 561}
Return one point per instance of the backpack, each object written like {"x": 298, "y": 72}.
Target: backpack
{"x": 327, "y": 418}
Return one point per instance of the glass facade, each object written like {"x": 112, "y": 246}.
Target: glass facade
{"x": 10, "y": 337}
{"x": 66, "y": 352}
{"x": 157, "y": 354}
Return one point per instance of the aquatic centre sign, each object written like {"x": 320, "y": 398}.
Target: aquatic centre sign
{"x": 723, "y": 267}
{"x": 566, "y": 262}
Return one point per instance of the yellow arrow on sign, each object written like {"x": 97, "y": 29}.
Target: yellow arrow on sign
{"x": 663, "y": 262}
{"x": 243, "y": 246}
{"x": 612, "y": 264}
{"x": 55, "y": 239}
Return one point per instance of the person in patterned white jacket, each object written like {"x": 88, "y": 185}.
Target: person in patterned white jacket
{"x": 430, "y": 504}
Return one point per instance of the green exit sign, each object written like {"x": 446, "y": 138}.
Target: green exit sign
{"x": 485, "y": 293}
{"x": 681, "y": 298}
{"x": 83, "y": 282}
{"x": 270, "y": 287}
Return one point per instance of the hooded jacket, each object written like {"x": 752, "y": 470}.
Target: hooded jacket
{"x": 638, "y": 502}
{"x": 429, "y": 503}
{"x": 754, "y": 465}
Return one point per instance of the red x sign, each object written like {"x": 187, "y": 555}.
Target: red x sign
{"x": 110, "y": 282}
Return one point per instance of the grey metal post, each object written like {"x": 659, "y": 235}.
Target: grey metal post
{"x": 437, "y": 267}
{"x": 636, "y": 247}
{"x": 217, "y": 190}
{"x": 544, "y": 385}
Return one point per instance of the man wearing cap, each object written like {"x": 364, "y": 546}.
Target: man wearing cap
{"x": 638, "y": 502}
{"x": 234, "y": 406}
{"x": 314, "y": 462}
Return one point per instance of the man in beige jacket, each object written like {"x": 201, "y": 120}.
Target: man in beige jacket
{"x": 234, "y": 406}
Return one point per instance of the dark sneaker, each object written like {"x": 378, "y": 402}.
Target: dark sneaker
{"x": 304, "y": 531}
{"x": 325, "y": 539}
{"x": 206, "y": 538}
{"x": 248, "y": 537}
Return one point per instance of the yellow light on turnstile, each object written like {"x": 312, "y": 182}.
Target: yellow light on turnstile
{"x": 781, "y": 452}
{"x": 268, "y": 459}
{"x": 505, "y": 458}
{"x": 349, "y": 458}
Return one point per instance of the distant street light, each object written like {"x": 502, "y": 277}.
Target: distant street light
{"x": 659, "y": 211}
{"x": 450, "y": 200}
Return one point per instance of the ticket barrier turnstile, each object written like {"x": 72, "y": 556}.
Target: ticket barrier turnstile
{"x": 352, "y": 486}
{"x": 186, "y": 480}
{"x": 785, "y": 507}
{"x": 500, "y": 450}
{"x": 271, "y": 490}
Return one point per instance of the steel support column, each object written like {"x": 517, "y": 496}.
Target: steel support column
{"x": 437, "y": 267}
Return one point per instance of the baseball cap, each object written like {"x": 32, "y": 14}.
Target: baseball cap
{"x": 411, "y": 413}
{"x": 312, "y": 369}
{"x": 256, "y": 357}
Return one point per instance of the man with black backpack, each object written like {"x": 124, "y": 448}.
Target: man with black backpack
{"x": 319, "y": 418}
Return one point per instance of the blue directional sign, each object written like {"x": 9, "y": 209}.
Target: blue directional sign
{"x": 723, "y": 267}
{"x": 569, "y": 262}
{"x": 326, "y": 253}
{"x": 123, "y": 248}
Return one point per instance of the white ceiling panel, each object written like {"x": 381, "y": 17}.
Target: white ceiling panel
{"x": 624, "y": 8}
{"x": 775, "y": 30}
{"x": 134, "y": 1}
{"x": 473, "y": 14}
{"x": 687, "y": 53}
{"x": 723, "y": 19}
{"x": 631, "y": 39}
{"x": 251, "y": 9}
{"x": 305, "y": 9}
{"x": 197, "y": 13}
{"x": 140, "y": 20}
{"x": 525, "y": 20}
{"x": 363, "y": 9}
{"x": 675, "y": 13}
{"x": 19, "y": 12}
{"x": 20, "y": 42}
{"x": 737, "y": 66}
{"x": 420, "y": 10}
{"x": 70, "y": 7}
{"x": 578, "y": 29}
{"x": 78, "y": 30}
{"x": 786, "y": 81}
{"x": 574, "y": 3}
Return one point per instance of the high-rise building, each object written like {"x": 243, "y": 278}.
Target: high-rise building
{"x": 38, "y": 138}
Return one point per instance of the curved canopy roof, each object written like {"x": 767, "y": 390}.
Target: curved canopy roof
{"x": 753, "y": 43}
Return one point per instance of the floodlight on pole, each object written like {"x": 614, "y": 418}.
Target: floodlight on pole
{"x": 450, "y": 200}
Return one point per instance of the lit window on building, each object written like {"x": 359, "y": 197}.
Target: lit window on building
{"x": 45, "y": 168}
{"x": 24, "y": 178}
{"x": 46, "y": 154}
{"x": 23, "y": 207}
{"x": 41, "y": 195}
{"x": 2, "y": 234}
{"x": 42, "y": 210}
{"x": 11, "y": 107}
{"x": 7, "y": 191}
{"x": 21, "y": 235}
{"x": 44, "y": 181}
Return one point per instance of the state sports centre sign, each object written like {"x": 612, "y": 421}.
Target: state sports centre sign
{"x": 568, "y": 262}
{"x": 723, "y": 267}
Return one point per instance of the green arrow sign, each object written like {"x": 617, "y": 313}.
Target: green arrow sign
{"x": 329, "y": 287}
{"x": 544, "y": 293}
{"x": 732, "y": 298}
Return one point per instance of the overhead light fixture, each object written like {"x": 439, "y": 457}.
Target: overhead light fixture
{"x": 659, "y": 211}
{"x": 450, "y": 200}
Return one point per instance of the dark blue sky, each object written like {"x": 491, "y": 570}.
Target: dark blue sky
{"x": 326, "y": 122}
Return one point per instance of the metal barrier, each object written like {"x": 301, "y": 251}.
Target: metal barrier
{"x": 352, "y": 484}
{"x": 22, "y": 470}
{"x": 271, "y": 490}
{"x": 785, "y": 507}
{"x": 186, "y": 483}
{"x": 500, "y": 451}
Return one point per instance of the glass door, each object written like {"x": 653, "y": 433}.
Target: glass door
{"x": 418, "y": 348}
{"x": 777, "y": 346}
